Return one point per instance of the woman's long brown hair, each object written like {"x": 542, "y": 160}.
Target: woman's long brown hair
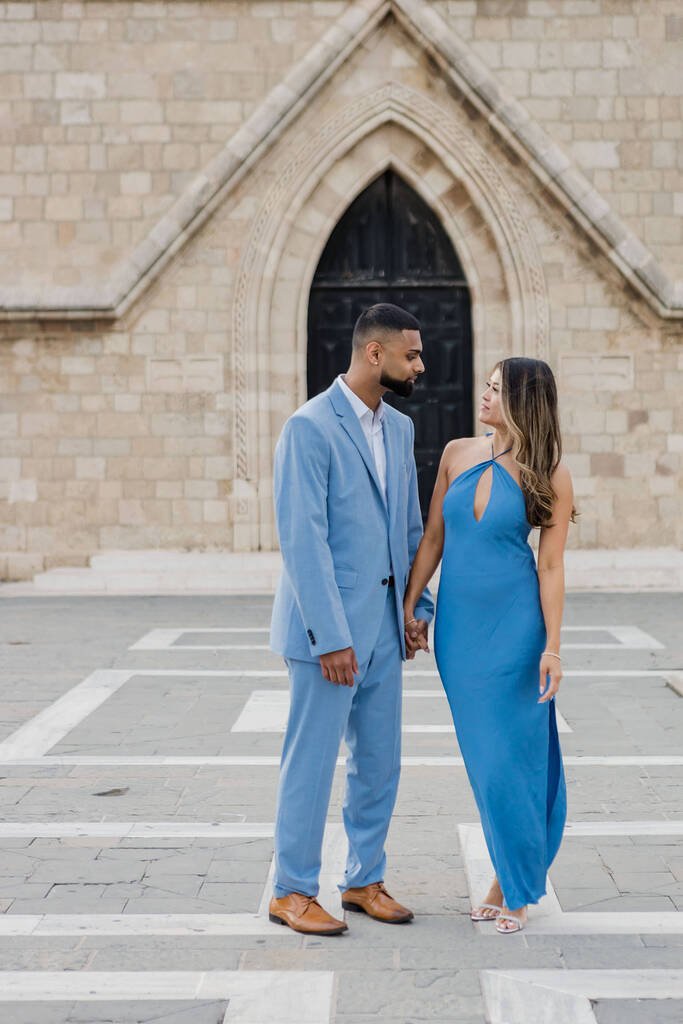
{"x": 529, "y": 404}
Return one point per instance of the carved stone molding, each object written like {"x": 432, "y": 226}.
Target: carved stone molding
{"x": 466, "y": 163}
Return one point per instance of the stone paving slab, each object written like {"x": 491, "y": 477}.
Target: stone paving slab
{"x": 428, "y": 971}
{"x": 148, "y": 1012}
{"x": 210, "y": 793}
{"x": 644, "y": 1011}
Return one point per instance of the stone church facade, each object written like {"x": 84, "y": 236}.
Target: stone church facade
{"x": 172, "y": 172}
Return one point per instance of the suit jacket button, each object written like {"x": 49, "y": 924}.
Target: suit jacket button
{"x": 385, "y": 582}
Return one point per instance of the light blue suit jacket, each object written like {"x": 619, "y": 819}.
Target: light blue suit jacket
{"x": 338, "y": 536}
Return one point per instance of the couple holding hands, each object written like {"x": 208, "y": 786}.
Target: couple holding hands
{"x": 353, "y": 603}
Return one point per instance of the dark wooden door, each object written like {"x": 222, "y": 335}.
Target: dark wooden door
{"x": 390, "y": 247}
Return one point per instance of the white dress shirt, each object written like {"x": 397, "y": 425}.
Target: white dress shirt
{"x": 372, "y": 424}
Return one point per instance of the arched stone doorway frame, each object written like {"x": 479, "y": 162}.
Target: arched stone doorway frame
{"x": 443, "y": 161}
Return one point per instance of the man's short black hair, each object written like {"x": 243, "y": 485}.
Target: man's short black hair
{"x": 382, "y": 318}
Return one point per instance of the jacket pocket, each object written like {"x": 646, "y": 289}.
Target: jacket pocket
{"x": 345, "y": 578}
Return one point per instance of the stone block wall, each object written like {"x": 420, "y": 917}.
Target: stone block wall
{"x": 111, "y": 108}
{"x": 603, "y": 78}
{"x": 155, "y": 428}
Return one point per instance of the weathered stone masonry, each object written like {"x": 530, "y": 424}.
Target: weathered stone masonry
{"x": 170, "y": 173}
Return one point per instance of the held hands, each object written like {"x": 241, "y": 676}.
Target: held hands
{"x": 339, "y": 666}
{"x": 416, "y": 634}
{"x": 550, "y": 666}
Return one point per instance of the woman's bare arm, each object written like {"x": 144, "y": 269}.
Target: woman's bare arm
{"x": 551, "y": 578}
{"x": 429, "y": 552}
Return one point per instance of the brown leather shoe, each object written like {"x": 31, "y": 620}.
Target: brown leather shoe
{"x": 375, "y": 900}
{"x": 304, "y": 914}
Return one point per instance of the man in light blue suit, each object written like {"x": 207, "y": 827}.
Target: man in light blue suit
{"x": 349, "y": 524}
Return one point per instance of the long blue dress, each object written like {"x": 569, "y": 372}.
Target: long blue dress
{"x": 488, "y": 638}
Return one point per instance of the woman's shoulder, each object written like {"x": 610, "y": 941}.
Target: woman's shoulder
{"x": 461, "y": 446}
{"x": 561, "y": 479}
{"x": 460, "y": 453}
{"x": 561, "y": 472}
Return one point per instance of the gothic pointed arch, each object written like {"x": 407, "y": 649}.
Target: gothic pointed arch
{"x": 390, "y": 246}
{"x": 439, "y": 156}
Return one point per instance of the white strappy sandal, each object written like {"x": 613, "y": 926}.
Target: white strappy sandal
{"x": 519, "y": 924}
{"x": 474, "y": 916}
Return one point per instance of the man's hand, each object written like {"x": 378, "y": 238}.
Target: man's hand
{"x": 340, "y": 666}
{"x": 417, "y": 637}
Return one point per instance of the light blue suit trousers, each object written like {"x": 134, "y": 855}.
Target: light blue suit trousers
{"x": 368, "y": 716}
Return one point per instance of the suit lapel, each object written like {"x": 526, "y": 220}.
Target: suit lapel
{"x": 350, "y": 423}
{"x": 391, "y": 447}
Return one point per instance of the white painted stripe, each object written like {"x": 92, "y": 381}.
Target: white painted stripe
{"x": 436, "y": 693}
{"x": 627, "y": 637}
{"x": 607, "y": 984}
{"x": 265, "y": 830}
{"x": 623, "y": 760}
{"x": 49, "y": 726}
{"x": 137, "y": 829}
{"x": 479, "y": 872}
{"x": 136, "y": 924}
{"x": 268, "y": 673}
{"x": 604, "y": 646}
{"x": 593, "y": 646}
{"x": 566, "y": 997}
{"x": 547, "y": 917}
{"x": 624, "y": 828}
{"x": 208, "y": 673}
{"x": 626, "y": 922}
{"x": 268, "y": 710}
{"x": 189, "y": 925}
{"x": 220, "y": 647}
{"x": 590, "y": 673}
{"x": 256, "y": 997}
{"x": 264, "y": 711}
{"x": 165, "y": 639}
{"x": 273, "y": 761}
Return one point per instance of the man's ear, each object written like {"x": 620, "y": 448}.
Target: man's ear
{"x": 373, "y": 352}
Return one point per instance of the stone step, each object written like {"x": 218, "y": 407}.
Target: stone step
{"x": 224, "y": 572}
{"x": 132, "y": 581}
{"x": 186, "y": 561}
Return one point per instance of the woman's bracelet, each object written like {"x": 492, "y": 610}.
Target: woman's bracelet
{"x": 409, "y": 622}
{"x": 551, "y": 654}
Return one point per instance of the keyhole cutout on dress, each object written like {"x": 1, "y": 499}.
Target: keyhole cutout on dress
{"x": 482, "y": 493}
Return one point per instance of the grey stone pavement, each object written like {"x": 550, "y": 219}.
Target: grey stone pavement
{"x": 613, "y": 935}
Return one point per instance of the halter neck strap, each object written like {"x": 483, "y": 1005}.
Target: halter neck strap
{"x": 494, "y": 457}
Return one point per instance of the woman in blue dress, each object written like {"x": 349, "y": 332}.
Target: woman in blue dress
{"x": 498, "y": 618}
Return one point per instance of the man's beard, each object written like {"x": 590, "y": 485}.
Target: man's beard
{"x": 404, "y": 388}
